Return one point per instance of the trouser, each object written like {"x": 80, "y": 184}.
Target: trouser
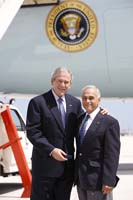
{"x": 52, "y": 188}
{"x": 93, "y": 195}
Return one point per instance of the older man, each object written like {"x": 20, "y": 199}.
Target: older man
{"x": 98, "y": 148}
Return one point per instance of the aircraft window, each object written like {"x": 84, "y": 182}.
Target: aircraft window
{"x": 17, "y": 120}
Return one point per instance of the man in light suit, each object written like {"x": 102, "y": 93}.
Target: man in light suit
{"x": 53, "y": 144}
{"x": 98, "y": 149}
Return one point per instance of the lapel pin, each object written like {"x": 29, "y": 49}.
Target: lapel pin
{"x": 98, "y": 122}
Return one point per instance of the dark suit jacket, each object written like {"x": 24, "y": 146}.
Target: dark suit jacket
{"x": 98, "y": 155}
{"x": 45, "y": 131}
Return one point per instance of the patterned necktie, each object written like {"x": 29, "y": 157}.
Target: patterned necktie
{"x": 62, "y": 111}
{"x": 82, "y": 130}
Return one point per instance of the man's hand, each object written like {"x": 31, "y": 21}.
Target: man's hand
{"x": 104, "y": 111}
{"x": 59, "y": 154}
{"x": 106, "y": 189}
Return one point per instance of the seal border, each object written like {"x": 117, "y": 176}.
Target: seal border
{"x": 76, "y": 4}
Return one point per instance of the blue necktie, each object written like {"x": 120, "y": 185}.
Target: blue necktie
{"x": 82, "y": 130}
{"x": 62, "y": 111}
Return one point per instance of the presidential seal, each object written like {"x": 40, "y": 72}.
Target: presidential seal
{"x": 72, "y": 26}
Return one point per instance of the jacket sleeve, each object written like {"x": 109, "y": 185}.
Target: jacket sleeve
{"x": 34, "y": 129}
{"x": 111, "y": 153}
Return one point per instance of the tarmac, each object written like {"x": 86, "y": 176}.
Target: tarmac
{"x": 11, "y": 187}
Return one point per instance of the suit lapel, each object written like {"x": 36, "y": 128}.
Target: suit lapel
{"x": 69, "y": 107}
{"x": 95, "y": 124}
{"x": 52, "y": 105}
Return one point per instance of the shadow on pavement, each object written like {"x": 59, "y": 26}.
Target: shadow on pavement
{"x": 9, "y": 187}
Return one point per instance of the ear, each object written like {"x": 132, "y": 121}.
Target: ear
{"x": 99, "y": 99}
{"x": 70, "y": 85}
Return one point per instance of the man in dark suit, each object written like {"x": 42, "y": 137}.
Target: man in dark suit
{"x": 52, "y": 134}
{"x": 98, "y": 149}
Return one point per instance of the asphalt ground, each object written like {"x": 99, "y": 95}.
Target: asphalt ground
{"x": 11, "y": 187}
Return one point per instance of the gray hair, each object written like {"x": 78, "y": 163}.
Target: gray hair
{"x": 92, "y": 87}
{"x": 58, "y": 70}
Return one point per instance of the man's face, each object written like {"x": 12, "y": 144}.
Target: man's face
{"x": 90, "y": 100}
{"x": 61, "y": 83}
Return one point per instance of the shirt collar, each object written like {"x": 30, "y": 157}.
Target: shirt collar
{"x": 56, "y": 97}
{"x": 94, "y": 113}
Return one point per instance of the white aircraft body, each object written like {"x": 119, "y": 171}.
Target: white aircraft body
{"x": 27, "y": 56}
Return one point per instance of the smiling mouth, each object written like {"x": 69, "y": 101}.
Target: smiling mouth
{"x": 62, "y": 90}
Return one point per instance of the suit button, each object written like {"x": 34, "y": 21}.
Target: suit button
{"x": 80, "y": 154}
